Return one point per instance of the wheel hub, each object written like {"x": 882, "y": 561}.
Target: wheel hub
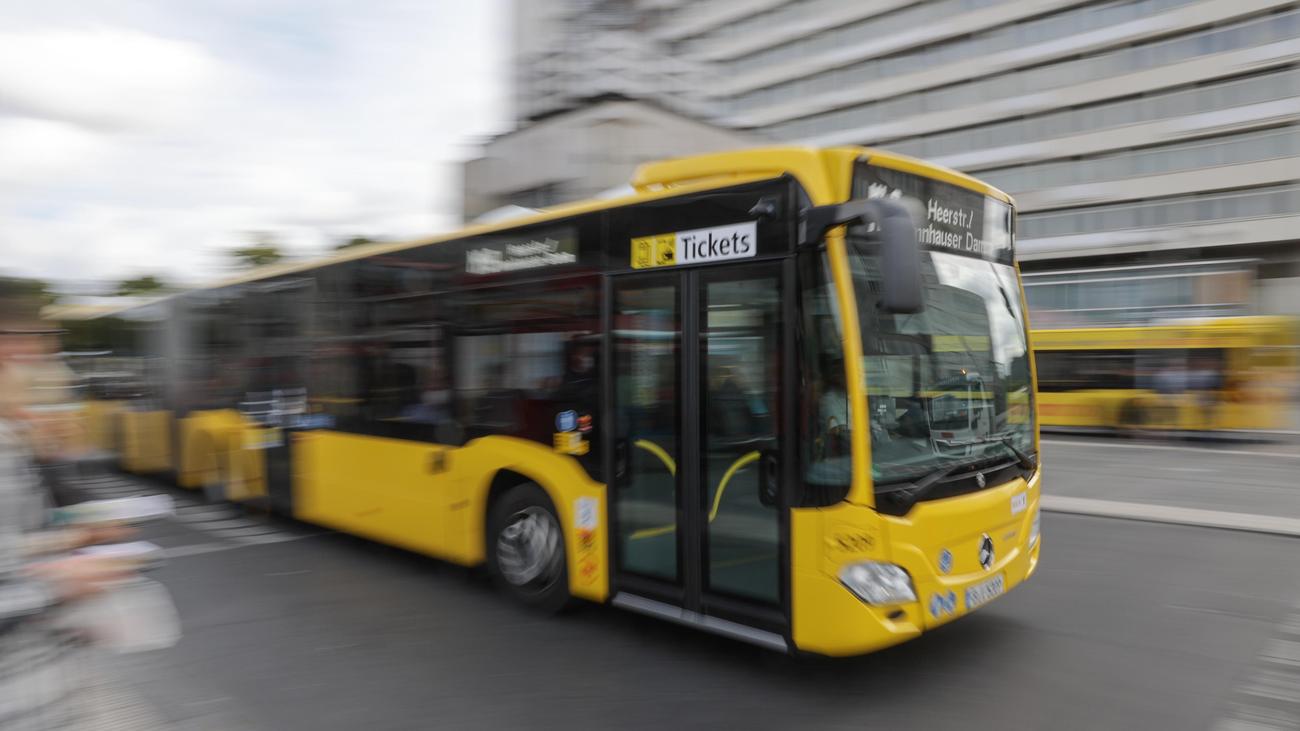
{"x": 528, "y": 549}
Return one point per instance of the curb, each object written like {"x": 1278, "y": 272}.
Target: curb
{"x": 1221, "y": 435}
{"x": 1272, "y": 525}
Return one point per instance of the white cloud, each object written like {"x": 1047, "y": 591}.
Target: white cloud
{"x": 41, "y": 150}
{"x": 315, "y": 121}
{"x": 104, "y": 77}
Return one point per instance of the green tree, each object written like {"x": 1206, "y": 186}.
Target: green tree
{"x": 22, "y": 288}
{"x": 262, "y": 250}
{"x": 147, "y": 284}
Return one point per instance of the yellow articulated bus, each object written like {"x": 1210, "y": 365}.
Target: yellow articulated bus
{"x": 785, "y": 395}
{"x": 1214, "y": 374}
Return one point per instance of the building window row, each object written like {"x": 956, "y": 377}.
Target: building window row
{"x": 1135, "y": 58}
{"x": 1019, "y": 35}
{"x": 1267, "y": 144}
{"x": 1176, "y": 211}
{"x": 1150, "y": 108}
{"x": 872, "y": 27}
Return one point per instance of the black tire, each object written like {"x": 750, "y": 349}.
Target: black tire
{"x": 525, "y": 548}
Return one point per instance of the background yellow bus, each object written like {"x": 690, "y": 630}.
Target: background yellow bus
{"x": 785, "y": 395}
{"x": 1226, "y": 373}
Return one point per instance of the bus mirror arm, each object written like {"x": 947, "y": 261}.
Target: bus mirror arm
{"x": 895, "y": 222}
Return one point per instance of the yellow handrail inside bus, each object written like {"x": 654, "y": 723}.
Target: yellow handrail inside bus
{"x": 659, "y": 452}
{"x": 735, "y": 467}
{"x": 726, "y": 477}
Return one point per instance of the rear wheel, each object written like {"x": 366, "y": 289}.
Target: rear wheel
{"x": 526, "y": 548}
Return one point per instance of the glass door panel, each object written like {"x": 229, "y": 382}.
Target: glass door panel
{"x": 740, "y": 342}
{"x": 647, "y": 350}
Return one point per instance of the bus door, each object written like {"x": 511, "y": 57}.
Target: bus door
{"x": 697, "y": 375}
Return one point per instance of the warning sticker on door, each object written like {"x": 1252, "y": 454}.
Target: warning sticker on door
{"x": 586, "y": 513}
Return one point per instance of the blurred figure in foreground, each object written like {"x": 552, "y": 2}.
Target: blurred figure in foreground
{"x": 40, "y": 671}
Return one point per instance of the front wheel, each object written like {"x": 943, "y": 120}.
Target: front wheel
{"x": 526, "y": 548}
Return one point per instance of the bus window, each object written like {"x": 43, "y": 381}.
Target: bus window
{"x": 524, "y": 355}
{"x": 1077, "y": 370}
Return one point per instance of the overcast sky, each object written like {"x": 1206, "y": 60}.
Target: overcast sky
{"x": 150, "y": 137}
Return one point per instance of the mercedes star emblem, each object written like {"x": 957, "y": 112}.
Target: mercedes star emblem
{"x": 986, "y": 551}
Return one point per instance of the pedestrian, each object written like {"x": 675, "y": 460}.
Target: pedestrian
{"x": 40, "y": 673}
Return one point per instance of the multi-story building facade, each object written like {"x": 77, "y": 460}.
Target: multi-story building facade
{"x": 1132, "y": 132}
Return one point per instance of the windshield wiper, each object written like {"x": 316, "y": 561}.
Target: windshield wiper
{"x": 915, "y": 490}
{"x": 1005, "y": 438}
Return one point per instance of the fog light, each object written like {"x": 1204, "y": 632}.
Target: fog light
{"x": 878, "y": 583}
{"x": 1034, "y": 529}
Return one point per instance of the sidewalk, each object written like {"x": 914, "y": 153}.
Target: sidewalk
{"x": 1231, "y": 485}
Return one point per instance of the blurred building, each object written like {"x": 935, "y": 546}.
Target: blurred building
{"x": 1133, "y": 133}
{"x": 582, "y": 152}
{"x": 566, "y": 51}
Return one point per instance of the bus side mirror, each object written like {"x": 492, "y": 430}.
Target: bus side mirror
{"x": 900, "y": 259}
{"x": 895, "y": 222}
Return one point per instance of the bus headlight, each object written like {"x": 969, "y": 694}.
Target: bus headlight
{"x": 878, "y": 583}
{"x": 1034, "y": 528}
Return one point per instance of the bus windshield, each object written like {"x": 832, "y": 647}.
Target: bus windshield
{"x": 949, "y": 386}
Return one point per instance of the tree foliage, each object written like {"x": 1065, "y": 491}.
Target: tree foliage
{"x": 22, "y": 288}
{"x": 145, "y": 285}
{"x": 262, "y": 250}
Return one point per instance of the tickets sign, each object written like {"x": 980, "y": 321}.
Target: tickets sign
{"x": 697, "y": 246}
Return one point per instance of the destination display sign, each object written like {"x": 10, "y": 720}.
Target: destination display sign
{"x": 956, "y": 220}
{"x": 547, "y": 248}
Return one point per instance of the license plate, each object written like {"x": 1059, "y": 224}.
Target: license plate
{"x": 984, "y": 592}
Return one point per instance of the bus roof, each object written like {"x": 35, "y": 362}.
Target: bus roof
{"x": 811, "y": 166}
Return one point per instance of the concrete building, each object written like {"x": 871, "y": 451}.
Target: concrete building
{"x": 1132, "y": 132}
{"x": 584, "y": 152}
{"x": 568, "y": 51}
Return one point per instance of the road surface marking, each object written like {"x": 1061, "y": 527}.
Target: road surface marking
{"x": 1170, "y": 447}
{"x": 1170, "y": 514}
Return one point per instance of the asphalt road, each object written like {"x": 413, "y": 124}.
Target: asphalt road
{"x": 1126, "y": 625}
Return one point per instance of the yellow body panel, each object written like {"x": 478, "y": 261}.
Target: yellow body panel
{"x": 205, "y": 436}
{"x": 146, "y": 441}
{"x": 388, "y": 490}
{"x": 830, "y": 620}
{"x": 101, "y": 419}
{"x": 826, "y": 618}
{"x": 1226, "y": 332}
{"x": 246, "y": 462}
